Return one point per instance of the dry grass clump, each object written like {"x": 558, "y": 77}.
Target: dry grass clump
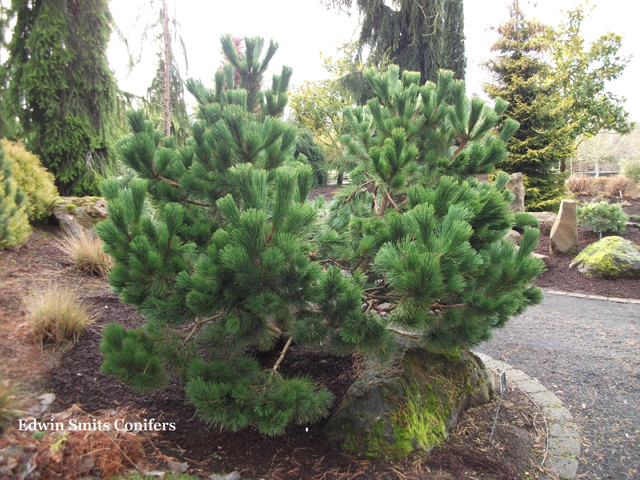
{"x": 8, "y": 404}
{"x": 57, "y": 315}
{"x": 85, "y": 250}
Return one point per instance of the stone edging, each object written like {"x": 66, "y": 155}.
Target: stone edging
{"x": 592, "y": 297}
{"x": 563, "y": 436}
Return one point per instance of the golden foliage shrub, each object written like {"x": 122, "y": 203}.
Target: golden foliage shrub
{"x": 35, "y": 181}
{"x": 14, "y": 223}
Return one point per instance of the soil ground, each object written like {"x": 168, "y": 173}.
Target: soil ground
{"x": 73, "y": 374}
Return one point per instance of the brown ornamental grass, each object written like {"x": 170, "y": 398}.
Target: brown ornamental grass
{"x": 85, "y": 251}
{"x": 57, "y": 315}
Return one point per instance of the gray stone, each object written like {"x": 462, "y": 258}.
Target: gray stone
{"x": 516, "y": 186}
{"x": 546, "y": 220}
{"x": 564, "y": 467}
{"x": 409, "y": 402}
{"x": 544, "y": 258}
{"x": 513, "y": 237}
{"x": 564, "y": 233}
{"x": 611, "y": 257}
{"x": 75, "y": 214}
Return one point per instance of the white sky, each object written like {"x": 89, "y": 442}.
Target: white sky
{"x": 303, "y": 28}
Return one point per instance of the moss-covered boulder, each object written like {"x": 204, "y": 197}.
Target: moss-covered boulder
{"x": 409, "y": 403}
{"x": 611, "y": 257}
{"x": 77, "y": 213}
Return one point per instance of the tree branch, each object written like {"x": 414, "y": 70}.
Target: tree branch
{"x": 200, "y": 322}
{"x": 279, "y": 361}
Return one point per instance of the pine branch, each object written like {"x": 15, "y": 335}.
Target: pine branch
{"x": 279, "y": 361}
{"x": 392, "y": 202}
{"x": 193, "y": 202}
{"x": 439, "y": 306}
{"x": 200, "y": 322}
{"x": 383, "y": 206}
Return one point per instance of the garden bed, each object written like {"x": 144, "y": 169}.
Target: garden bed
{"x": 73, "y": 374}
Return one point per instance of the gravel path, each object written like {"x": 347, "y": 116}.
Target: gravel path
{"x": 587, "y": 352}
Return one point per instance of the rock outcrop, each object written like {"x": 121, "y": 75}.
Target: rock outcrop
{"x": 516, "y": 186}
{"x": 409, "y": 402}
{"x": 611, "y": 257}
{"x": 77, "y": 213}
{"x": 564, "y": 233}
{"x": 546, "y": 220}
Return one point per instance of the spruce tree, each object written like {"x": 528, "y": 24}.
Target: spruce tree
{"x": 416, "y": 35}
{"x": 61, "y": 88}
{"x": 544, "y": 139}
{"x": 217, "y": 245}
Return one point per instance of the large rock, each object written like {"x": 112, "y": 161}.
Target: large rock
{"x": 546, "y": 220}
{"x": 564, "y": 233}
{"x": 77, "y": 213}
{"x": 611, "y": 257}
{"x": 513, "y": 237}
{"x": 409, "y": 403}
{"x": 516, "y": 186}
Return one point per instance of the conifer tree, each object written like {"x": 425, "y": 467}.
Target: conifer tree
{"x": 416, "y": 35}
{"x": 61, "y": 88}
{"x": 544, "y": 139}
{"x": 217, "y": 245}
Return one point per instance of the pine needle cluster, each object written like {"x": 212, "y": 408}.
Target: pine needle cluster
{"x": 218, "y": 246}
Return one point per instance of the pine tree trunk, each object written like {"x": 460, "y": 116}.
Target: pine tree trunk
{"x": 167, "y": 79}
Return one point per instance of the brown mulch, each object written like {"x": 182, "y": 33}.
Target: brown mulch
{"x": 561, "y": 277}
{"x": 302, "y": 452}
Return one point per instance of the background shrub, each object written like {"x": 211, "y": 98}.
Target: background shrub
{"x": 579, "y": 184}
{"x": 602, "y": 217}
{"x": 35, "y": 181}
{"x": 631, "y": 170}
{"x": 618, "y": 183}
{"x": 57, "y": 315}
{"x": 14, "y": 223}
{"x": 608, "y": 186}
{"x": 524, "y": 219}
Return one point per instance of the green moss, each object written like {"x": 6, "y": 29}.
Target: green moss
{"x": 600, "y": 257}
{"x": 422, "y": 422}
{"x": 71, "y": 208}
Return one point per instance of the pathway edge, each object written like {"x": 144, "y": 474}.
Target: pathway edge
{"x": 563, "y": 435}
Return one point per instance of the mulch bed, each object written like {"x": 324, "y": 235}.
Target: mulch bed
{"x": 561, "y": 277}
{"x": 303, "y": 452}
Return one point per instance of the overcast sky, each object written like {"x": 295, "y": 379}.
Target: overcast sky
{"x": 303, "y": 28}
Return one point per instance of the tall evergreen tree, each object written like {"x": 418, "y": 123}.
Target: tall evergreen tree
{"x": 412, "y": 34}
{"x": 60, "y": 86}
{"x": 452, "y": 56}
{"x": 237, "y": 254}
{"x": 544, "y": 139}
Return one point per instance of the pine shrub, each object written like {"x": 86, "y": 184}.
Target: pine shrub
{"x": 56, "y": 315}
{"x": 603, "y": 217}
{"x": 35, "y": 181}
{"x": 233, "y": 258}
{"x": 14, "y": 223}
{"x": 524, "y": 219}
{"x": 631, "y": 169}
